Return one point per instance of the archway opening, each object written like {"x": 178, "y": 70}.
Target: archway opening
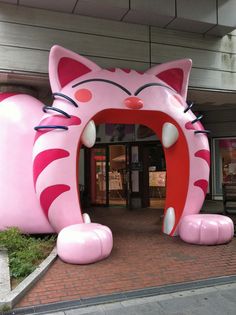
{"x": 176, "y": 157}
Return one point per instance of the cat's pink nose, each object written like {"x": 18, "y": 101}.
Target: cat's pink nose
{"x": 133, "y": 102}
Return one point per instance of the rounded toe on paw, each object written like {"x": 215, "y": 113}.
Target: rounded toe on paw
{"x": 206, "y": 229}
{"x": 84, "y": 243}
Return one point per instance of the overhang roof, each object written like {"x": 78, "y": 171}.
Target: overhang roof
{"x": 215, "y": 17}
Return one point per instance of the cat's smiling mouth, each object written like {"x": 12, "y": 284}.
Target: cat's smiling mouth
{"x": 175, "y": 148}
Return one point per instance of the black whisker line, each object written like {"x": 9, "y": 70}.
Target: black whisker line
{"x": 152, "y": 84}
{"x": 197, "y": 119}
{"x": 46, "y": 108}
{"x": 68, "y": 98}
{"x": 106, "y": 81}
{"x": 51, "y": 127}
{"x": 201, "y": 131}
{"x": 189, "y": 106}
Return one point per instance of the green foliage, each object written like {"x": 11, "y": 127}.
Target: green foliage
{"x": 25, "y": 252}
{"x": 5, "y": 308}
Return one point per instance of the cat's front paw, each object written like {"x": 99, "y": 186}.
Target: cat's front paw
{"x": 84, "y": 243}
{"x": 206, "y": 229}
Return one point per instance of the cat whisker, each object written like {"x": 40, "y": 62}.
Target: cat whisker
{"x": 51, "y": 127}
{"x": 189, "y": 106}
{"x": 46, "y": 108}
{"x": 202, "y": 131}
{"x": 197, "y": 119}
{"x": 68, "y": 98}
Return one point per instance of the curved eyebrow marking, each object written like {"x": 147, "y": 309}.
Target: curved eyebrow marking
{"x": 152, "y": 84}
{"x": 103, "y": 80}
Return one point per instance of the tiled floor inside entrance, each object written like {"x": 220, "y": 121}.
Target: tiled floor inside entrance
{"x": 142, "y": 257}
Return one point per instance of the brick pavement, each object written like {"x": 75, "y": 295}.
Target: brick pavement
{"x": 142, "y": 257}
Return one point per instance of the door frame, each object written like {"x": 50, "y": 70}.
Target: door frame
{"x": 88, "y": 175}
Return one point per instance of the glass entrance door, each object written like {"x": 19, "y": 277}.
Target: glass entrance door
{"x": 99, "y": 181}
{"x": 117, "y": 175}
{"x": 109, "y": 175}
{"x": 154, "y": 176}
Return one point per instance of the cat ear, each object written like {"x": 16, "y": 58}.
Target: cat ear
{"x": 175, "y": 74}
{"x": 65, "y": 66}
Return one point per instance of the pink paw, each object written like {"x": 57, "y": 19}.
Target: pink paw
{"x": 84, "y": 243}
{"x": 206, "y": 229}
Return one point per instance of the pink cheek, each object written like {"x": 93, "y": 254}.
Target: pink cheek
{"x": 83, "y": 95}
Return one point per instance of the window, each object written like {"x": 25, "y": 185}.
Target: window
{"x": 224, "y": 163}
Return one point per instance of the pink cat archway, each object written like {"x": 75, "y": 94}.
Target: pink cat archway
{"x": 42, "y": 196}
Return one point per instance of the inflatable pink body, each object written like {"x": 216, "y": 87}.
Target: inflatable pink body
{"x": 38, "y": 179}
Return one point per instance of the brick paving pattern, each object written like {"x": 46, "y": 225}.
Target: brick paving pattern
{"x": 142, "y": 257}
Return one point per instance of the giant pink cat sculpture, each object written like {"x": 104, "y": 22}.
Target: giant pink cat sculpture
{"x": 38, "y": 169}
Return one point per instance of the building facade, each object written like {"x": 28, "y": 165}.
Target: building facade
{"x": 127, "y": 164}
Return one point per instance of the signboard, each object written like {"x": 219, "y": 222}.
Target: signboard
{"x": 115, "y": 182}
{"x": 157, "y": 179}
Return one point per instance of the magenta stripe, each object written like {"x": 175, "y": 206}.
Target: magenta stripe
{"x": 111, "y": 69}
{"x": 44, "y": 158}
{"x": 126, "y": 70}
{"x": 203, "y": 184}
{"x": 40, "y": 133}
{"x": 204, "y": 154}
{"x": 49, "y": 194}
{"x": 57, "y": 120}
{"x": 196, "y": 126}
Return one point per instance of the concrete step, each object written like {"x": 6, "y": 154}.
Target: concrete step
{"x": 5, "y": 283}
